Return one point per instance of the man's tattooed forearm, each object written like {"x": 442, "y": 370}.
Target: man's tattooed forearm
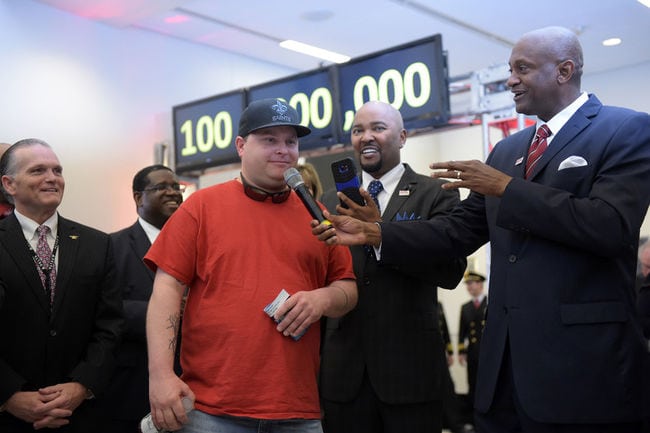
{"x": 174, "y": 322}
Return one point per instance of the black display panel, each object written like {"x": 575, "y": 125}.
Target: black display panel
{"x": 205, "y": 131}
{"x": 412, "y": 77}
{"x": 311, "y": 94}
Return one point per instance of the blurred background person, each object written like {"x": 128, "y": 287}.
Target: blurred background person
{"x": 643, "y": 308}
{"x": 470, "y": 329}
{"x": 452, "y": 416}
{"x": 311, "y": 179}
{"x": 61, "y": 320}
{"x": 157, "y": 194}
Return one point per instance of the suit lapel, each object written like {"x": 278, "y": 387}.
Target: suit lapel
{"x": 69, "y": 241}
{"x": 406, "y": 186}
{"x": 579, "y": 121}
{"x": 13, "y": 240}
{"x": 140, "y": 244}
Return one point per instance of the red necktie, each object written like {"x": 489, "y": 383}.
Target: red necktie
{"x": 477, "y": 303}
{"x": 537, "y": 148}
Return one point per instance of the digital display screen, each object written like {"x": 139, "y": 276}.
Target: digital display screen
{"x": 205, "y": 131}
{"x": 312, "y": 96}
{"x": 411, "y": 77}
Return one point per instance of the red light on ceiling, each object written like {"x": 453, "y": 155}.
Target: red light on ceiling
{"x": 176, "y": 19}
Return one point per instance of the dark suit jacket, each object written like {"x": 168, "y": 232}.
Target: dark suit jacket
{"x": 128, "y": 395}
{"x": 393, "y": 332}
{"x": 75, "y": 342}
{"x": 563, "y": 263}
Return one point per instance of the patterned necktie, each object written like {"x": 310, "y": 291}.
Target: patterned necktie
{"x": 537, "y": 148}
{"x": 374, "y": 188}
{"x": 45, "y": 265}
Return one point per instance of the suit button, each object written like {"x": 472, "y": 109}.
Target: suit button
{"x": 512, "y": 258}
{"x": 52, "y": 332}
{"x": 366, "y": 281}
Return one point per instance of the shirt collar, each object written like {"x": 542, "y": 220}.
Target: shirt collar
{"x": 389, "y": 180}
{"x": 560, "y": 119}
{"x": 150, "y": 230}
{"x": 29, "y": 226}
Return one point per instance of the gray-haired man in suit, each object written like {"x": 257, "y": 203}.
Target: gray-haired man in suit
{"x": 61, "y": 316}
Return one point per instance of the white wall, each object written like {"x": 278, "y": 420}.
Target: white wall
{"x": 102, "y": 98}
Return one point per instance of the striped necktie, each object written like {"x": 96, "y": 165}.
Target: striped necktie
{"x": 537, "y": 148}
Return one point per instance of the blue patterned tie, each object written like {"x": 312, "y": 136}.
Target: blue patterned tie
{"x": 374, "y": 188}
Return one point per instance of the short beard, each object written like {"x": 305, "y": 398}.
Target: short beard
{"x": 371, "y": 168}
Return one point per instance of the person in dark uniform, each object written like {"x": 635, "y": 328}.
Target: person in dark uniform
{"x": 472, "y": 321}
{"x": 451, "y": 411}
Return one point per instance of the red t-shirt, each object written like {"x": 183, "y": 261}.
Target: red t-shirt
{"x": 236, "y": 255}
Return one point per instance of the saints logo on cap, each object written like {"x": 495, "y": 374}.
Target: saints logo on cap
{"x": 279, "y": 107}
{"x": 267, "y": 113}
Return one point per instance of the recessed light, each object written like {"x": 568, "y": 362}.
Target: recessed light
{"x": 310, "y": 50}
{"x": 645, "y": 3}
{"x": 612, "y": 42}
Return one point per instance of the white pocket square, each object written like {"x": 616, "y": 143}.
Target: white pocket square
{"x": 572, "y": 162}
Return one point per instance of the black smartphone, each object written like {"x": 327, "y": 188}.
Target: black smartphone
{"x": 347, "y": 181}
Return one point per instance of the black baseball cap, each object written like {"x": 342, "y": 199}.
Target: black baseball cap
{"x": 266, "y": 113}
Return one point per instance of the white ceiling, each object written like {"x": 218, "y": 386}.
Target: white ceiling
{"x": 475, "y": 33}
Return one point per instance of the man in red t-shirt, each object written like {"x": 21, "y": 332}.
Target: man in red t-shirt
{"x": 237, "y": 245}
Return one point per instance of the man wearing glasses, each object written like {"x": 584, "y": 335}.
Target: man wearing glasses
{"x": 157, "y": 194}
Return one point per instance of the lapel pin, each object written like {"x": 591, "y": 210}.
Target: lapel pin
{"x": 74, "y": 237}
{"x": 404, "y": 192}
{"x": 519, "y": 161}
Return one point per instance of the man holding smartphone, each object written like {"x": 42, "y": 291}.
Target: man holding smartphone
{"x": 383, "y": 363}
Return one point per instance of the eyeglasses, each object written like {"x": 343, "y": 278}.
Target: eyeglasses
{"x": 259, "y": 194}
{"x": 174, "y": 187}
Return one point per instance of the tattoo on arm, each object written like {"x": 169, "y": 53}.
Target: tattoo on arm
{"x": 174, "y": 321}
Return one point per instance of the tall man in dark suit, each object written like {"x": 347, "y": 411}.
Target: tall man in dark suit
{"x": 470, "y": 330}
{"x": 157, "y": 194}
{"x": 61, "y": 316}
{"x": 562, "y": 348}
{"x": 383, "y": 363}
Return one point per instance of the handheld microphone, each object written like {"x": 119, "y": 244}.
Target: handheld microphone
{"x": 294, "y": 180}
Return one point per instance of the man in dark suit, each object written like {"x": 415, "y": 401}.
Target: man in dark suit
{"x": 383, "y": 363}
{"x": 157, "y": 194}
{"x": 470, "y": 330}
{"x": 562, "y": 348}
{"x": 61, "y": 317}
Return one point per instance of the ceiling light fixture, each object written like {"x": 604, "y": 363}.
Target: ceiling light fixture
{"x": 310, "y": 50}
{"x": 645, "y": 3}
{"x": 612, "y": 42}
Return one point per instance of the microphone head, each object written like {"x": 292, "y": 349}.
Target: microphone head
{"x": 293, "y": 178}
